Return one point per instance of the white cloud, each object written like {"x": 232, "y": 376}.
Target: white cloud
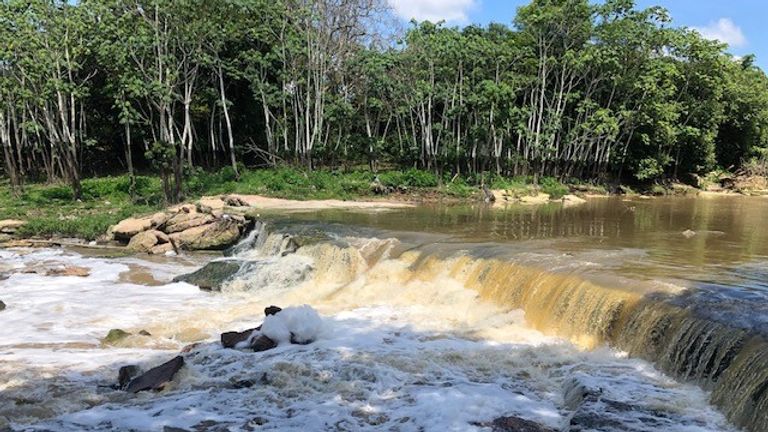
{"x": 433, "y": 10}
{"x": 724, "y": 30}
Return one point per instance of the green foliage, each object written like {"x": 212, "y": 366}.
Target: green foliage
{"x": 553, "y": 187}
{"x": 574, "y": 89}
{"x": 411, "y": 178}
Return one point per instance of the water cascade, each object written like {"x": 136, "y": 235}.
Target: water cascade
{"x": 729, "y": 361}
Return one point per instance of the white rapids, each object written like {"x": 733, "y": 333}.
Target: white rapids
{"x": 415, "y": 356}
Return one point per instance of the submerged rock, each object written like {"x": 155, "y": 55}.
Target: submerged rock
{"x": 514, "y": 424}
{"x": 114, "y": 336}
{"x": 68, "y": 271}
{"x": 213, "y": 275}
{"x": 156, "y": 378}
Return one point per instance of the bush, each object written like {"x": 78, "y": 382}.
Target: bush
{"x": 553, "y": 187}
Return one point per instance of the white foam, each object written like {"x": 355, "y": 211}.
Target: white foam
{"x": 302, "y": 324}
{"x": 387, "y": 355}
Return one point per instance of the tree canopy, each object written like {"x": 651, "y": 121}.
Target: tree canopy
{"x": 568, "y": 89}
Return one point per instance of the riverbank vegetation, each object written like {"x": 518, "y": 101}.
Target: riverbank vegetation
{"x": 51, "y": 210}
{"x": 605, "y": 93}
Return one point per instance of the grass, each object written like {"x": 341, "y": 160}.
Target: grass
{"x": 51, "y": 211}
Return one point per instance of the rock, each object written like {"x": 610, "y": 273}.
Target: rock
{"x": 162, "y": 249}
{"x": 572, "y": 200}
{"x": 213, "y": 275}
{"x": 231, "y": 339}
{"x": 218, "y": 235}
{"x": 9, "y": 226}
{"x": 514, "y": 424}
{"x": 689, "y": 233}
{"x": 145, "y": 333}
{"x": 128, "y": 228}
{"x": 272, "y": 310}
{"x": 156, "y": 378}
{"x": 18, "y": 244}
{"x": 159, "y": 219}
{"x": 143, "y": 242}
{"x": 75, "y": 271}
{"x": 262, "y": 343}
{"x": 184, "y": 221}
{"x": 2, "y": 305}
{"x": 114, "y": 336}
{"x": 126, "y": 374}
{"x": 234, "y": 201}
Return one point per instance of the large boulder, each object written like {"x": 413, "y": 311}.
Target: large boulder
{"x": 218, "y": 235}
{"x": 183, "y": 221}
{"x": 213, "y": 275}
{"x": 156, "y": 378}
{"x": 128, "y": 228}
{"x": 143, "y": 242}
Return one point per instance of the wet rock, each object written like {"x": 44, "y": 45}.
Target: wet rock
{"x": 18, "y": 244}
{"x": 272, "y": 310}
{"x": 114, "y": 336}
{"x": 75, "y": 271}
{"x": 145, "y": 333}
{"x": 174, "y": 429}
{"x": 162, "y": 249}
{"x": 231, "y": 339}
{"x": 2, "y": 306}
{"x": 262, "y": 343}
{"x": 126, "y": 374}
{"x": 156, "y": 378}
{"x": 242, "y": 384}
{"x": 514, "y": 424}
{"x": 9, "y": 226}
{"x": 143, "y": 242}
{"x": 213, "y": 275}
{"x": 128, "y": 228}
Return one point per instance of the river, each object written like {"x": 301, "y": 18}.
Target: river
{"x": 615, "y": 315}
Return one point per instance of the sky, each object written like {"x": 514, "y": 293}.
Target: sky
{"x": 739, "y": 23}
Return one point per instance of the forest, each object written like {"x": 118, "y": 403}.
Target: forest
{"x": 567, "y": 89}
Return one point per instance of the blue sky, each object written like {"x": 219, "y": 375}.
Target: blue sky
{"x": 740, "y": 23}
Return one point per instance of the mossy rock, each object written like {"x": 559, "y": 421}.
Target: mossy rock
{"x": 213, "y": 275}
{"x": 114, "y": 336}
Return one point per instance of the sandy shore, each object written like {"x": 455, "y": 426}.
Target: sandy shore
{"x": 267, "y": 203}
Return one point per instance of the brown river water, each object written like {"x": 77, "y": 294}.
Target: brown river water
{"x": 621, "y": 314}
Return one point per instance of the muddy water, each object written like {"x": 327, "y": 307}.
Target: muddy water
{"x": 598, "y": 317}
